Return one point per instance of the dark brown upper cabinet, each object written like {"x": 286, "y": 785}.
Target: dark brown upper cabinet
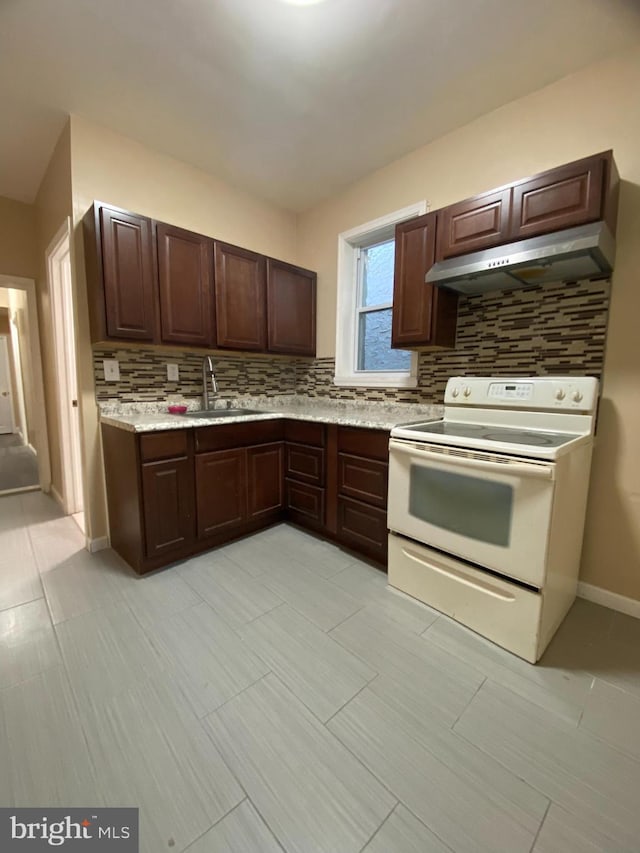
{"x": 474, "y": 224}
{"x": 120, "y": 275}
{"x": 565, "y": 197}
{"x": 291, "y": 309}
{"x": 424, "y": 317}
{"x": 240, "y": 285}
{"x": 185, "y": 276}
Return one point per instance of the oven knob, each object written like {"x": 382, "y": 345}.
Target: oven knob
{"x": 467, "y": 391}
{"x": 576, "y": 396}
{"x": 455, "y": 392}
{"x": 560, "y": 394}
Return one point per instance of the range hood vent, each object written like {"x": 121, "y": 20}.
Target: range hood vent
{"x": 575, "y": 254}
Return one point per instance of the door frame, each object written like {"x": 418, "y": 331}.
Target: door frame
{"x": 58, "y": 263}
{"x": 14, "y": 282}
{"x": 4, "y": 352}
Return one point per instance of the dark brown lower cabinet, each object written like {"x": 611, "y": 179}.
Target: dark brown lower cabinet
{"x": 175, "y": 493}
{"x": 167, "y": 496}
{"x": 221, "y": 491}
{"x": 265, "y": 481}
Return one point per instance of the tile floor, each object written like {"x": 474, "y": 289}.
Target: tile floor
{"x": 18, "y": 464}
{"x": 275, "y": 695}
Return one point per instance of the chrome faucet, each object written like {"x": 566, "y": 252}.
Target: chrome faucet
{"x": 207, "y": 373}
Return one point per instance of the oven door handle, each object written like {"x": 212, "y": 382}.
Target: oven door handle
{"x": 509, "y": 467}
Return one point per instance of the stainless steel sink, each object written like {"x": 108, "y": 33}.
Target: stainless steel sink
{"x": 221, "y": 413}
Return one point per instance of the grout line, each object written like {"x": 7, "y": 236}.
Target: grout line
{"x": 376, "y": 831}
{"x": 344, "y": 704}
{"x": 455, "y": 722}
{"x": 544, "y": 817}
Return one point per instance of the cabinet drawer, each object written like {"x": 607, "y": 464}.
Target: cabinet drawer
{"x": 363, "y": 527}
{"x": 363, "y": 479}
{"x": 226, "y": 436}
{"x": 373, "y": 443}
{"x": 305, "y": 432}
{"x": 163, "y": 445}
{"x": 305, "y": 463}
{"x": 305, "y": 503}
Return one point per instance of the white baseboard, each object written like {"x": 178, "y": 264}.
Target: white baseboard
{"x": 57, "y": 497}
{"x": 32, "y": 449}
{"x": 630, "y": 606}
{"x": 98, "y": 544}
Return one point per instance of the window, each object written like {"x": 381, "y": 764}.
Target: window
{"x": 364, "y": 356}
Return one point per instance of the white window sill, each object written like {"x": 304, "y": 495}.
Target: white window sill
{"x": 375, "y": 380}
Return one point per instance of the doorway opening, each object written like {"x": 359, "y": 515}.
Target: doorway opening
{"x": 24, "y": 447}
{"x": 58, "y": 259}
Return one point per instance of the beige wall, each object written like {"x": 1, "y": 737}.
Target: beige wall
{"x": 593, "y": 110}
{"x": 18, "y": 250}
{"x": 111, "y": 168}
{"x": 53, "y": 206}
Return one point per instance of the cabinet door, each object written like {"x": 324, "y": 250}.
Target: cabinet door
{"x": 128, "y": 275}
{"x": 185, "y": 272}
{"x": 474, "y": 224}
{"x": 291, "y": 309}
{"x": 240, "y": 298}
{"x": 167, "y": 493}
{"x": 265, "y": 482}
{"x": 560, "y": 198}
{"x": 423, "y": 316}
{"x": 221, "y": 492}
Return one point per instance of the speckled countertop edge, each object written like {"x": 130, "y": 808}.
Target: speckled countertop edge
{"x": 153, "y": 417}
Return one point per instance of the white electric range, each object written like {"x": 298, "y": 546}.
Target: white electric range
{"x": 487, "y": 506}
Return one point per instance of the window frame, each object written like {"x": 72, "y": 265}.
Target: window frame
{"x": 347, "y": 310}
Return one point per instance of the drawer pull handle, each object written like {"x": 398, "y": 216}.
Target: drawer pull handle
{"x": 487, "y": 588}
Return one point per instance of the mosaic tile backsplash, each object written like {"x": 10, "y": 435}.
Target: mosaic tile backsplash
{"x": 543, "y": 330}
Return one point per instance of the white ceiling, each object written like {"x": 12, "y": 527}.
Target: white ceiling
{"x": 290, "y": 102}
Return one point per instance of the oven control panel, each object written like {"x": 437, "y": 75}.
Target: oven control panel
{"x": 565, "y": 393}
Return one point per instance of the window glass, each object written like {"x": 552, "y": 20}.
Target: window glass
{"x": 374, "y": 343}
{"x": 377, "y": 264}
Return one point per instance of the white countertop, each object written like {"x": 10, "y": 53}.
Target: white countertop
{"x": 154, "y": 417}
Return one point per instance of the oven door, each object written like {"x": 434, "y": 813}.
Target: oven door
{"x": 489, "y": 509}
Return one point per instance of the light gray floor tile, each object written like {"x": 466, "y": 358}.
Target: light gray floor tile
{"x": 315, "y": 555}
{"x": 369, "y": 585}
{"x": 11, "y": 512}
{"x": 234, "y": 595}
{"x": 241, "y": 831}
{"x": 150, "y": 751}
{"x": 314, "y": 667}
{"x": 157, "y": 597}
{"x": 404, "y": 833}
{"x": 19, "y": 578}
{"x": 46, "y": 756}
{"x": 313, "y": 794}
{"x": 440, "y": 682}
{"x": 585, "y": 622}
{"x": 625, "y": 629}
{"x": 323, "y": 603}
{"x": 577, "y": 771}
{"x": 557, "y": 689}
{"x": 563, "y": 832}
{"x": 614, "y": 716}
{"x": 206, "y": 657}
{"x": 258, "y": 554}
{"x": 465, "y": 815}
{"x": 55, "y": 542}
{"x": 28, "y": 643}
{"x": 84, "y": 583}
{"x": 395, "y": 703}
{"x": 105, "y": 652}
{"x": 38, "y": 508}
